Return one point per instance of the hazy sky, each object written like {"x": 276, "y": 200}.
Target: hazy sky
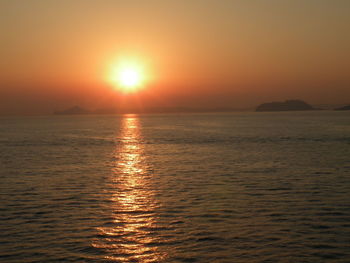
{"x": 200, "y": 53}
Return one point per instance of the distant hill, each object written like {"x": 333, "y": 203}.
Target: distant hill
{"x": 343, "y": 108}
{"x": 288, "y": 105}
{"x": 106, "y": 111}
{"x": 76, "y": 110}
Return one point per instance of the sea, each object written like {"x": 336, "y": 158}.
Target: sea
{"x": 208, "y": 187}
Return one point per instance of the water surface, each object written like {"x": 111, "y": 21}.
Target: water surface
{"x": 240, "y": 187}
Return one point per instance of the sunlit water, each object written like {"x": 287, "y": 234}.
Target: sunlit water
{"x": 240, "y": 187}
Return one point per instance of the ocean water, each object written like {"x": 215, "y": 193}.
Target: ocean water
{"x": 238, "y": 187}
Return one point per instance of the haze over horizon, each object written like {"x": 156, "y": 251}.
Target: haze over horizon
{"x": 199, "y": 54}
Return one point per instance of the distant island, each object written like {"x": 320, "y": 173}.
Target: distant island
{"x": 76, "y": 110}
{"x": 288, "y": 105}
{"x": 347, "y": 107}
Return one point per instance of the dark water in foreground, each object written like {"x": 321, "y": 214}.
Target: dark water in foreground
{"x": 242, "y": 187}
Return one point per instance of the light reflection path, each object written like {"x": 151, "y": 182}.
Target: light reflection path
{"x": 131, "y": 238}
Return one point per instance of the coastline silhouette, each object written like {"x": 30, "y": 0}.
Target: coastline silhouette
{"x": 347, "y": 107}
{"x": 288, "y": 105}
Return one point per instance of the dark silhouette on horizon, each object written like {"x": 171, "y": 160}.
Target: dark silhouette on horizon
{"x": 288, "y": 105}
{"x": 347, "y": 107}
{"x": 75, "y": 110}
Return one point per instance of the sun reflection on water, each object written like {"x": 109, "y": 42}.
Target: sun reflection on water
{"x": 131, "y": 236}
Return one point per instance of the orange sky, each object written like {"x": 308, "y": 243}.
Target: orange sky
{"x": 199, "y": 53}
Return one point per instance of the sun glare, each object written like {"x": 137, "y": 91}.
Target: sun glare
{"x": 127, "y": 76}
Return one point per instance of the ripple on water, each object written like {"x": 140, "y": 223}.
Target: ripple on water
{"x": 189, "y": 188}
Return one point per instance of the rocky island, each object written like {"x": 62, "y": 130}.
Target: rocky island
{"x": 343, "y": 108}
{"x": 288, "y": 105}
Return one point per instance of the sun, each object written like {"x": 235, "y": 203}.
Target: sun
{"x": 127, "y": 76}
